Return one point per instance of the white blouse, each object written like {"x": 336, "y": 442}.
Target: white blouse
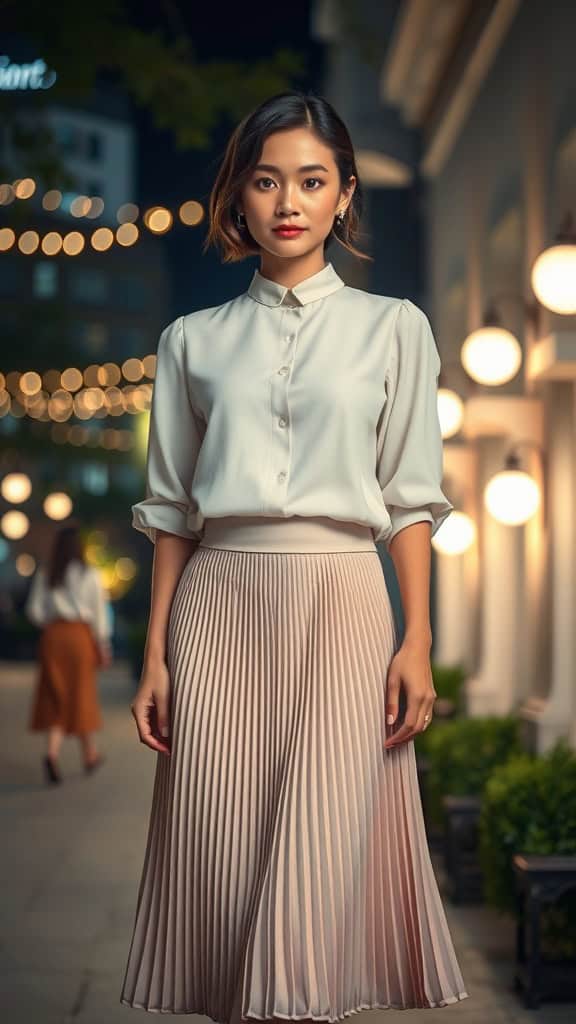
{"x": 79, "y": 596}
{"x": 315, "y": 400}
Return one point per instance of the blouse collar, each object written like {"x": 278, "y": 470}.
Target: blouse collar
{"x": 269, "y": 292}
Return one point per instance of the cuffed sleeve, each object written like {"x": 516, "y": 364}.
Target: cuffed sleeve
{"x": 409, "y": 443}
{"x": 174, "y": 440}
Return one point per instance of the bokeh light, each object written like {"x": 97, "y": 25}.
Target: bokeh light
{"x": 16, "y": 487}
{"x": 14, "y": 524}
{"x": 57, "y": 505}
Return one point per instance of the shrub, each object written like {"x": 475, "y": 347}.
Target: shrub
{"x": 462, "y": 754}
{"x": 529, "y": 807}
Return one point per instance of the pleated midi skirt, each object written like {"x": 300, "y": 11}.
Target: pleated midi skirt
{"x": 286, "y": 872}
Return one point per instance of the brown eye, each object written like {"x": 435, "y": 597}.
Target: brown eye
{"x": 259, "y": 182}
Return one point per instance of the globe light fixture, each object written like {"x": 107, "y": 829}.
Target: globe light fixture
{"x": 512, "y": 496}
{"x": 553, "y": 274}
{"x": 450, "y": 412}
{"x": 456, "y": 535}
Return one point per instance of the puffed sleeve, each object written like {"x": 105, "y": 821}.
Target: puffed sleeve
{"x": 409, "y": 442}
{"x": 174, "y": 440}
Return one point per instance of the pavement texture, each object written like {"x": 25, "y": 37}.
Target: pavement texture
{"x": 70, "y": 859}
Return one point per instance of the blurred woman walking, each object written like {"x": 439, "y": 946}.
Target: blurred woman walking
{"x": 68, "y": 602}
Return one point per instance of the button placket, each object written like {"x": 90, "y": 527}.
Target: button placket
{"x": 280, "y": 392}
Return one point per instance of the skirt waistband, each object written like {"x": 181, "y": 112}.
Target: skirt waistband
{"x": 294, "y": 533}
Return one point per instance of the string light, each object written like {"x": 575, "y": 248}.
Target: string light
{"x": 158, "y": 220}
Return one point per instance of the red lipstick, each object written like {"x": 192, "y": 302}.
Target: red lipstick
{"x": 288, "y": 231}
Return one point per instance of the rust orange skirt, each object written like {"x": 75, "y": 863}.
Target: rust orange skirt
{"x": 66, "y": 689}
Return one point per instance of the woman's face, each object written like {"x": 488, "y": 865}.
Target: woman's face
{"x": 296, "y": 182}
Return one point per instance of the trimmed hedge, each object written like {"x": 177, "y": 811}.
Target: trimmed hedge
{"x": 462, "y": 754}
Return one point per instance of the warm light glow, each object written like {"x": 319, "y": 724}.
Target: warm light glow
{"x": 25, "y": 564}
{"x": 60, "y": 405}
{"x": 127, "y": 234}
{"x": 450, "y": 412}
{"x": 456, "y": 535}
{"x": 57, "y": 505}
{"x": 30, "y": 383}
{"x": 92, "y": 375}
{"x": 6, "y": 194}
{"x": 80, "y": 206}
{"x": 96, "y": 207}
{"x": 158, "y": 219}
{"x": 52, "y": 199}
{"x": 52, "y": 243}
{"x": 191, "y": 213}
{"x": 133, "y": 369}
{"x": 25, "y": 188}
{"x": 125, "y": 568}
{"x": 16, "y": 487}
{"x": 73, "y": 243}
{"x": 553, "y": 278}
{"x": 7, "y": 239}
{"x": 127, "y": 212}
{"x": 5, "y": 402}
{"x": 149, "y": 364}
{"x": 491, "y": 355}
{"x": 14, "y": 525}
{"x": 71, "y": 379}
{"x": 102, "y": 239}
{"x": 512, "y": 497}
{"x": 108, "y": 373}
{"x": 28, "y": 242}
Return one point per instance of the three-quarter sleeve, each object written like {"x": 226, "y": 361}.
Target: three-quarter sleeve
{"x": 174, "y": 440}
{"x": 409, "y": 441}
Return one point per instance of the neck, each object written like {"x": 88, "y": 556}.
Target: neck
{"x": 289, "y": 271}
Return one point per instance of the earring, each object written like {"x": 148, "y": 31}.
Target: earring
{"x": 240, "y": 220}
{"x": 340, "y": 217}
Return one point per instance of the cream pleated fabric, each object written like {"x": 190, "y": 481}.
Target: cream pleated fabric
{"x": 286, "y": 872}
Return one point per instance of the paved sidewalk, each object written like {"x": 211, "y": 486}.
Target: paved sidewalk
{"x": 70, "y": 862}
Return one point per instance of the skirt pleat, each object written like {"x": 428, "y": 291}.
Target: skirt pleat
{"x": 286, "y": 872}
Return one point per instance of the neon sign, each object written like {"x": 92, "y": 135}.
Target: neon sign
{"x": 15, "y": 77}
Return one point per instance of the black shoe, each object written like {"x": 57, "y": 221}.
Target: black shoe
{"x": 51, "y": 771}
{"x": 91, "y": 766}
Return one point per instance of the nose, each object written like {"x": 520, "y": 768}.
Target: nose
{"x": 286, "y": 205}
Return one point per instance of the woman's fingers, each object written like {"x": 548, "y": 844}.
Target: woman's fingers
{"x": 145, "y": 714}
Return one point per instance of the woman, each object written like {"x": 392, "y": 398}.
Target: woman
{"x": 287, "y": 874}
{"x": 68, "y": 602}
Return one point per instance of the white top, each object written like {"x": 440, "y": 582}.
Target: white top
{"x": 318, "y": 400}
{"x": 80, "y": 596}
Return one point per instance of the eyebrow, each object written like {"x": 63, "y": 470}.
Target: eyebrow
{"x": 306, "y": 167}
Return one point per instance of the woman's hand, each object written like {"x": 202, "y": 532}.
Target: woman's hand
{"x": 150, "y": 707}
{"x": 410, "y": 666}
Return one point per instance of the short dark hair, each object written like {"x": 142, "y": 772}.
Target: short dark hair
{"x": 292, "y": 109}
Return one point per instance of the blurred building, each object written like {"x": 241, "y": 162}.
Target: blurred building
{"x": 77, "y": 292}
{"x": 471, "y": 107}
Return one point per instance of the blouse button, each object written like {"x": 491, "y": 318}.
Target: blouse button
{"x": 282, "y": 422}
{"x": 281, "y": 477}
{"x": 290, "y": 337}
{"x": 283, "y": 370}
